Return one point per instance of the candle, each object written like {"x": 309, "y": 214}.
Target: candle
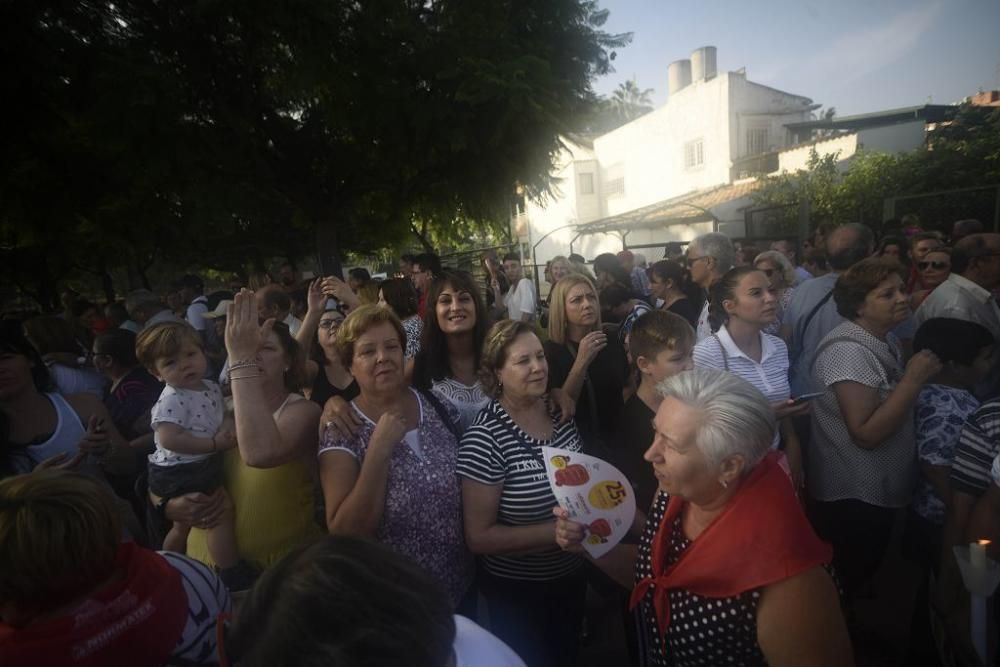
{"x": 977, "y": 555}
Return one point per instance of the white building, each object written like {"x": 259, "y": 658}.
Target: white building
{"x": 669, "y": 175}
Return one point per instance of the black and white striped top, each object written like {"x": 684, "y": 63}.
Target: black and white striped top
{"x": 207, "y": 598}
{"x": 494, "y": 450}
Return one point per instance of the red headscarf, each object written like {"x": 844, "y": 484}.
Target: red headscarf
{"x": 136, "y": 621}
{"x": 760, "y": 538}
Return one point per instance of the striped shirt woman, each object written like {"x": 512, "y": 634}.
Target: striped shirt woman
{"x": 534, "y": 591}
{"x": 494, "y": 451}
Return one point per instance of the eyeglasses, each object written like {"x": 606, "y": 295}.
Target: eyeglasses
{"x": 330, "y": 325}
{"x": 689, "y": 261}
{"x": 937, "y": 266}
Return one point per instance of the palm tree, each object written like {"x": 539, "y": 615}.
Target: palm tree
{"x": 628, "y": 102}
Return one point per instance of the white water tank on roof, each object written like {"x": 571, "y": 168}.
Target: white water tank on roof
{"x": 678, "y": 75}
{"x": 703, "y": 63}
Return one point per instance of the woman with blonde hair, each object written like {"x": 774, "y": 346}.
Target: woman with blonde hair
{"x": 588, "y": 365}
{"x": 72, "y": 593}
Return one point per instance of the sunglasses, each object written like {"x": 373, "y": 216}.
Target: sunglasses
{"x": 937, "y": 266}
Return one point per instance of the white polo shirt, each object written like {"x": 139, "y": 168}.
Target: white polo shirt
{"x": 770, "y": 376}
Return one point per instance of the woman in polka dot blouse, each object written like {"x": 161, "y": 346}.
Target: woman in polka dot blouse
{"x": 728, "y": 570}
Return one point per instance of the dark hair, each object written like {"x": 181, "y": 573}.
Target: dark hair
{"x": 432, "y": 362}
{"x": 116, "y": 312}
{"x": 408, "y": 257}
{"x": 512, "y": 257}
{"x": 954, "y": 340}
{"x": 295, "y": 376}
{"x": 81, "y": 306}
{"x": 401, "y": 296}
{"x": 659, "y": 330}
{"x": 13, "y": 341}
{"x": 608, "y": 263}
{"x": 361, "y": 274}
{"x": 119, "y": 344}
{"x": 891, "y": 240}
{"x": 343, "y": 601}
{"x": 51, "y": 334}
{"x": 725, "y": 290}
{"x": 815, "y": 256}
{"x": 275, "y": 296}
{"x": 190, "y": 281}
{"x": 967, "y": 249}
{"x": 316, "y": 352}
{"x": 615, "y": 295}
{"x": 428, "y": 261}
{"x": 576, "y": 259}
{"x": 677, "y": 273}
{"x": 748, "y": 253}
{"x": 854, "y": 284}
{"x": 852, "y": 253}
{"x": 673, "y": 249}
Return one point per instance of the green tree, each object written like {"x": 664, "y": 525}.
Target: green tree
{"x": 961, "y": 153}
{"x": 629, "y": 102}
{"x": 219, "y": 134}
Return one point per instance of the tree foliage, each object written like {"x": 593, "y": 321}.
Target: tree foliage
{"x": 962, "y": 153}
{"x": 221, "y": 133}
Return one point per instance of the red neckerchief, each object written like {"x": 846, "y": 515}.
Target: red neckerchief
{"x": 760, "y": 538}
{"x": 135, "y": 622}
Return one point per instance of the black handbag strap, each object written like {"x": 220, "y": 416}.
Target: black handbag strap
{"x": 442, "y": 413}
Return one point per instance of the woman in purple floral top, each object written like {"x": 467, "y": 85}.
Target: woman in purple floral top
{"x": 394, "y": 479}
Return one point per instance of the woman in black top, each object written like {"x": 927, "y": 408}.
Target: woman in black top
{"x": 326, "y": 375}
{"x": 668, "y": 282}
{"x": 589, "y": 366}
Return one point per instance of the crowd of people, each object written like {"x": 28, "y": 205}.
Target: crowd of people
{"x": 778, "y": 411}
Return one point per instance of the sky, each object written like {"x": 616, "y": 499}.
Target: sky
{"x": 857, "y": 56}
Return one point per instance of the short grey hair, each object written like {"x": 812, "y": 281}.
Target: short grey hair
{"x": 719, "y": 247}
{"x": 735, "y": 416}
{"x": 779, "y": 260}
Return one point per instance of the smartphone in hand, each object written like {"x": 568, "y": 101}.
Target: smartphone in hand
{"x": 799, "y": 400}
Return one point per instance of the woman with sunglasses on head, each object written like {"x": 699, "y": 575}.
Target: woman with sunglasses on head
{"x": 781, "y": 274}
{"x": 325, "y": 373}
{"x": 933, "y": 270}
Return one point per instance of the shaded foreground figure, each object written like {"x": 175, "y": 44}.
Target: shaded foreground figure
{"x": 101, "y": 602}
{"x": 728, "y": 570}
{"x": 346, "y": 601}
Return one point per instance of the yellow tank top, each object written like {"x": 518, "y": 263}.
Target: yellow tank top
{"x": 274, "y": 508}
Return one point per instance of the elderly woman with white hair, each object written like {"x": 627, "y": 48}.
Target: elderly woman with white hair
{"x": 781, "y": 274}
{"x": 728, "y": 569}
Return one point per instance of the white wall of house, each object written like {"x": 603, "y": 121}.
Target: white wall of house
{"x": 686, "y": 145}
{"x": 898, "y": 138}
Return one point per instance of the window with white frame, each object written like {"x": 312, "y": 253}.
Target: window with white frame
{"x": 585, "y": 183}
{"x": 756, "y": 141}
{"x": 694, "y": 154}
